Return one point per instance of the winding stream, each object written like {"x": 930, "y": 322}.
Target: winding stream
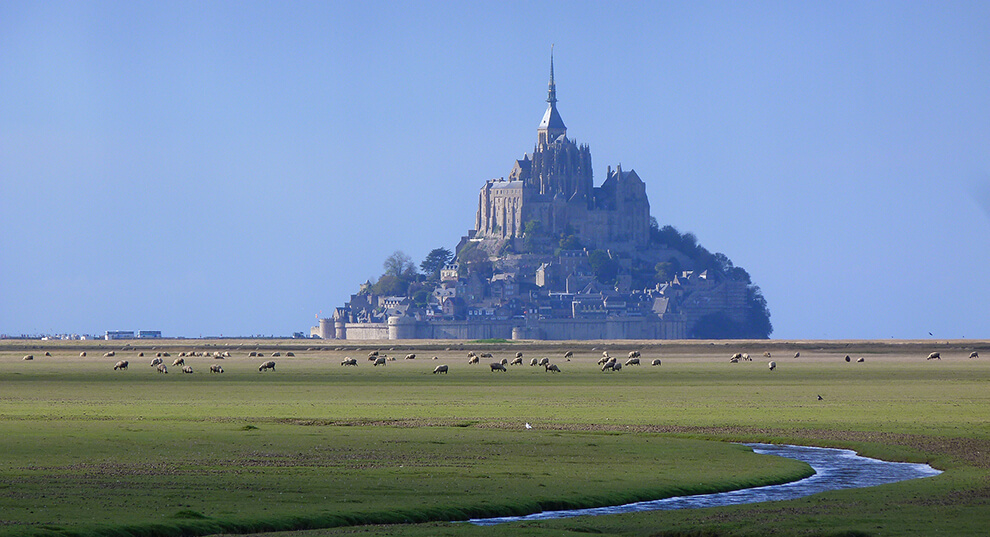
{"x": 835, "y": 469}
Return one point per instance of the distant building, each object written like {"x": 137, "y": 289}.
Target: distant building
{"x": 149, "y": 333}
{"x": 119, "y": 334}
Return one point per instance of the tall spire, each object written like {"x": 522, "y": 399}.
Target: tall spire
{"x": 552, "y": 126}
{"x": 552, "y": 93}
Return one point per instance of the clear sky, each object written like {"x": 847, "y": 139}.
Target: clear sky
{"x": 235, "y": 168}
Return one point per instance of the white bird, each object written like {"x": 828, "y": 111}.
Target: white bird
{"x": 528, "y": 426}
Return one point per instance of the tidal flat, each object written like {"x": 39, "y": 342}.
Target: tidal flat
{"x": 394, "y": 448}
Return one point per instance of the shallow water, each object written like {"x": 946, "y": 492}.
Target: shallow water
{"x": 835, "y": 469}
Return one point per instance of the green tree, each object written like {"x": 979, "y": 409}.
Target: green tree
{"x": 604, "y": 267}
{"x": 399, "y": 264}
{"x": 434, "y": 261}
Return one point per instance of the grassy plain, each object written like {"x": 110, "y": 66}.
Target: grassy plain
{"x": 91, "y": 451}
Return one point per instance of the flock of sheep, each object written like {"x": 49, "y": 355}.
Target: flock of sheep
{"x": 607, "y": 362}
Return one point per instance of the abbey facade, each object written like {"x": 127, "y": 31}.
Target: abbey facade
{"x": 552, "y": 191}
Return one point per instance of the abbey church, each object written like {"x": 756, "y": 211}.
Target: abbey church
{"x": 553, "y": 188}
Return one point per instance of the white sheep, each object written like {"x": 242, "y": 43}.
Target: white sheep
{"x": 274, "y": 354}
{"x": 504, "y": 361}
{"x": 568, "y": 354}
{"x": 533, "y": 362}
{"x": 270, "y": 364}
{"x": 162, "y": 368}
{"x": 440, "y": 369}
{"x": 772, "y": 365}
{"x": 860, "y": 360}
{"x": 28, "y": 357}
{"x": 473, "y": 360}
{"x": 519, "y": 355}
{"x": 82, "y": 354}
{"x": 934, "y": 356}
{"x": 516, "y": 361}
{"x": 632, "y": 361}
{"x": 634, "y": 354}
{"x": 766, "y": 354}
{"x": 156, "y": 361}
{"x": 797, "y": 354}
{"x": 544, "y": 361}
{"x": 216, "y": 368}
{"x": 187, "y": 369}
{"x": 178, "y": 361}
{"x": 120, "y": 365}
{"x": 736, "y": 357}
{"x": 656, "y": 361}
{"x": 974, "y": 354}
{"x": 410, "y": 357}
{"x": 381, "y": 360}
{"x": 349, "y": 361}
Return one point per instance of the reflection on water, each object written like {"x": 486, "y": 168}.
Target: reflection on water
{"x": 834, "y": 469}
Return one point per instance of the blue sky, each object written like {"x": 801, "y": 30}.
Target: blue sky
{"x": 207, "y": 168}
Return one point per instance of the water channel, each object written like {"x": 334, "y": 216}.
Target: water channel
{"x": 835, "y": 469}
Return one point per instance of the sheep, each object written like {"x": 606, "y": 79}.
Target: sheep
{"x": 504, "y": 361}
{"x": 28, "y": 357}
{"x": 181, "y": 354}
{"x": 766, "y": 354}
{"x": 440, "y": 369}
{"x": 252, "y": 354}
{"x": 471, "y": 354}
{"x": 544, "y": 361}
{"x": 166, "y": 354}
{"x": 516, "y": 361}
{"x": 381, "y": 360}
{"x": 158, "y": 355}
{"x": 602, "y": 360}
{"x": 156, "y": 361}
{"x": 275, "y": 354}
{"x": 49, "y": 354}
{"x": 934, "y": 356}
{"x": 737, "y": 356}
{"x": 473, "y": 360}
{"x": 632, "y": 361}
{"x": 797, "y": 354}
{"x": 634, "y": 354}
{"x": 552, "y": 368}
{"x": 120, "y": 365}
{"x": 847, "y": 358}
{"x": 109, "y": 354}
{"x": 141, "y": 354}
{"x": 225, "y": 354}
{"x": 216, "y": 368}
{"x": 219, "y": 355}
{"x": 497, "y": 366}
{"x": 410, "y": 357}
{"x": 605, "y": 355}
{"x": 178, "y": 361}
{"x": 568, "y": 354}
{"x": 372, "y": 355}
{"x": 270, "y": 364}
{"x": 616, "y": 366}
{"x": 611, "y": 365}
{"x": 533, "y": 362}
{"x": 435, "y": 358}
{"x": 519, "y": 355}
{"x": 973, "y": 354}
{"x": 860, "y": 360}
{"x": 656, "y": 361}
{"x": 187, "y": 369}
{"x": 162, "y": 368}
{"x": 745, "y": 356}
{"x": 290, "y": 354}
{"x": 772, "y": 365}
{"x": 487, "y": 355}
{"x": 82, "y": 354}
{"x": 733, "y": 360}
{"x": 610, "y": 360}
{"x": 349, "y": 361}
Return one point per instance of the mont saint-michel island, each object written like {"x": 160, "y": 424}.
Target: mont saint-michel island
{"x": 553, "y": 257}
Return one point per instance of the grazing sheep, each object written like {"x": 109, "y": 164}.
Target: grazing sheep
{"x": 602, "y": 360}
{"x": 156, "y": 361}
{"x": 497, "y": 366}
{"x": 634, "y": 354}
{"x": 766, "y": 354}
{"x": 533, "y": 362}
{"x": 141, "y": 354}
{"x": 745, "y": 356}
{"x": 656, "y": 361}
{"x": 381, "y": 360}
{"x": 349, "y": 361}
{"x": 49, "y": 354}
{"x": 733, "y": 360}
{"x": 504, "y": 361}
{"x": 737, "y": 356}
{"x": 471, "y": 354}
{"x": 487, "y": 355}
{"x": 120, "y": 365}
{"x": 552, "y": 368}
{"x": 934, "y": 356}
{"x": 516, "y": 361}
{"x": 609, "y": 366}
{"x": 436, "y": 358}
{"x": 605, "y": 355}
{"x": 410, "y": 357}
{"x": 372, "y": 355}
{"x": 440, "y": 369}
{"x": 797, "y": 354}
{"x": 568, "y": 354}
{"x": 274, "y": 354}
{"x": 973, "y": 354}
{"x": 28, "y": 357}
{"x": 181, "y": 354}
{"x": 473, "y": 360}
{"x": 270, "y": 364}
{"x": 616, "y": 366}
{"x": 216, "y": 368}
{"x": 860, "y": 360}
{"x": 519, "y": 355}
{"x": 166, "y": 354}
{"x": 187, "y": 369}
{"x": 109, "y": 354}
{"x": 158, "y": 354}
{"x": 225, "y": 354}
{"x": 162, "y": 368}
{"x": 179, "y": 361}
{"x": 820, "y": 398}
{"x": 632, "y": 361}
{"x": 772, "y": 365}
{"x": 290, "y": 354}
{"x": 544, "y": 361}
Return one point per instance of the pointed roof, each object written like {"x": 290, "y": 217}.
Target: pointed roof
{"x": 551, "y": 118}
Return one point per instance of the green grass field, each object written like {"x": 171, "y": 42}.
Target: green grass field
{"x": 398, "y": 450}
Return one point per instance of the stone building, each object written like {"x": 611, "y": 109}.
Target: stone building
{"x": 553, "y": 187}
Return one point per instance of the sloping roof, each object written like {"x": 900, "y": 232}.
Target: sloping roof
{"x": 551, "y": 119}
